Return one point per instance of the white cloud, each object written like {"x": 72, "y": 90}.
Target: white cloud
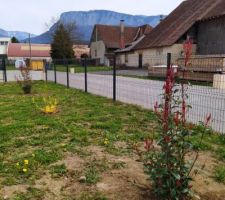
{"x": 31, "y": 15}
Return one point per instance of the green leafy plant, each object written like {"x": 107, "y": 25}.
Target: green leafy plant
{"x": 219, "y": 174}
{"x": 58, "y": 170}
{"x": 23, "y": 166}
{"x": 167, "y": 167}
{"x": 92, "y": 175}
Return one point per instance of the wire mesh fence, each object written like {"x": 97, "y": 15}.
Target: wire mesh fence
{"x": 204, "y": 78}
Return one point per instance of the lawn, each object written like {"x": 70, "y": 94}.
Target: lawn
{"x": 86, "y": 150}
{"x": 77, "y": 68}
{"x": 80, "y": 69}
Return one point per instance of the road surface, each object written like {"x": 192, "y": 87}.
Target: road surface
{"x": 145, "y": 93}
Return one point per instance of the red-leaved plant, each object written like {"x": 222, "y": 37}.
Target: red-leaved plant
{"x": 167, "y": 167}
{"x": 24, "y": 79}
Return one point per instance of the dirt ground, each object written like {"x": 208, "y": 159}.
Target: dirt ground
{"x": 122, "y": 178}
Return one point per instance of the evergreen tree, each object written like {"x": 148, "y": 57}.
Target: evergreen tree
{"x": 62, "y": 44}
{"x": 14, "y": 40}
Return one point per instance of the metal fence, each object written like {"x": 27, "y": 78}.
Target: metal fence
{"x": 143, "y": 87}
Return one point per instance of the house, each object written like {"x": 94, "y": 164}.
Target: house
{"x": 4, "y": 41}
{"x": 105, "y": 40}
{"x": 25, "y": 51}
{"x": 37, "y": 53}
{"x": 202, "y": 20}
{"x": 81, "y": 50}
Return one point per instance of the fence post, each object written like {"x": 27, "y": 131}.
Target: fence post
{"x": 168, "y": 61}
{"x": 85, "y": 74}
{"x": 4, "y": 70}
{"x": 114, "y": 78}
{"x": 55, "y": 72}
{"x": 46, "y": 71}
{"x": 67, "y": 73}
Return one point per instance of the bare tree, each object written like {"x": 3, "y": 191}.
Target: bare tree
{"x": 52, "y": 21}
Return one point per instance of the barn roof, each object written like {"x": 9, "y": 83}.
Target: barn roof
{"x": 23, "y": 50}
{"x": 110, "y": 35}
{"x": 175, "y": 25}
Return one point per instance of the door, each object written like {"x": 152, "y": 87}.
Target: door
{"x": 140, "y": 61}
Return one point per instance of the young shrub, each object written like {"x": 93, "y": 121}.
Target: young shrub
{"x": 167, "y": 167}
{"x": 24, "y": 79}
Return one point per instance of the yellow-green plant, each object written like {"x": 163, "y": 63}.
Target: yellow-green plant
{"x": 47, "y": 105}
{"x": 23, "y": 166}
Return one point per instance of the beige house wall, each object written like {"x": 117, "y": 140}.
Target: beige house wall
{"x": 128, "y": 59}
{"x": 98, "y": 51}
{"x": 158, "y": 56}
{"x": 155, "y": 56}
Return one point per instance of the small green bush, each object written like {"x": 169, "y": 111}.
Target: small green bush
{"x": 219, "y": 174}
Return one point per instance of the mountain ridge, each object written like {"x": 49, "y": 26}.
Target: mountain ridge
{"x": 85, "y": 21}
{"x": 20, "y": 35}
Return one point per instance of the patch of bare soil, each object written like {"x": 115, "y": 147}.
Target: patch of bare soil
{"x": 123, "y": 182}
{"x": 204, "y": 183}
{"x": 9, "y": 191}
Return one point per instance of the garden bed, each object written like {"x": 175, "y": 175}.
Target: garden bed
{"x": 85, "y": 151}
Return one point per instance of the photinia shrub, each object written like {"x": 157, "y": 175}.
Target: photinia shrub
{"x": 170, "y": 173}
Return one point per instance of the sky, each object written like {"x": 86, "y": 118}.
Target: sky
{"x": 31, "y": 15}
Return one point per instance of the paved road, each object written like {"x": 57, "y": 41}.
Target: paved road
{"x": 145, "y": 93}
{"x": 130, "y": 72}
{"x": 12, "y": 74}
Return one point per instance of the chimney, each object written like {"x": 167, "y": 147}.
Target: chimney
{"x": 122, "y": 39}
{"x": 96, "y": 33}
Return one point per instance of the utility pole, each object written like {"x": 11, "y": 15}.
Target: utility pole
{"x": 30, "y": 50}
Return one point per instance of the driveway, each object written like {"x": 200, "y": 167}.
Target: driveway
{"x": 145, "y": 93}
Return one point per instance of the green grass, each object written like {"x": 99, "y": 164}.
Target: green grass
{"x": 83, "y": 120}
{"x": 77, "y": 68}
{"x": 58, "y": 170}
{"x": 10, "y": 67}
{"x": 80, "y": 69}
{"x": 32, "y": 193}
{"x": 220, "y": 174}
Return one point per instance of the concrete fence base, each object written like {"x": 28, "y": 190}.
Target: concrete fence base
{"x": 219, "y": 81}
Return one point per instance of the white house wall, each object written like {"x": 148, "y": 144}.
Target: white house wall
{"x": 158, "y": 56}
{"x": 132, "y": 59}
{"x": 154, "y": 56}
{"x": 98, "y": 51}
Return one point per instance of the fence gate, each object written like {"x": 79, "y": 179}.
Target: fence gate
{"x": 3, "y": 77}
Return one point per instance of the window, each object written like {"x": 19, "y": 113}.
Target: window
{"x": 96, "y": 54}
{"x": 3, "y": 43}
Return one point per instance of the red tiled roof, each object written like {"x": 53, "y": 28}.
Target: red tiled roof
{"x": 23, "y": 50}
{"x": 110, "y": 35}
{"x": 170, "y": 30}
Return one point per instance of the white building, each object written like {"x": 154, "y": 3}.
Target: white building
{"x": 4, "y": 41}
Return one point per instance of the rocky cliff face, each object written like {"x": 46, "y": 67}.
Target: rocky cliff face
{"x": 85, "y": 22}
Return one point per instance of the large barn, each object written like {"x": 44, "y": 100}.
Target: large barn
{"x": 202, "y": 20}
